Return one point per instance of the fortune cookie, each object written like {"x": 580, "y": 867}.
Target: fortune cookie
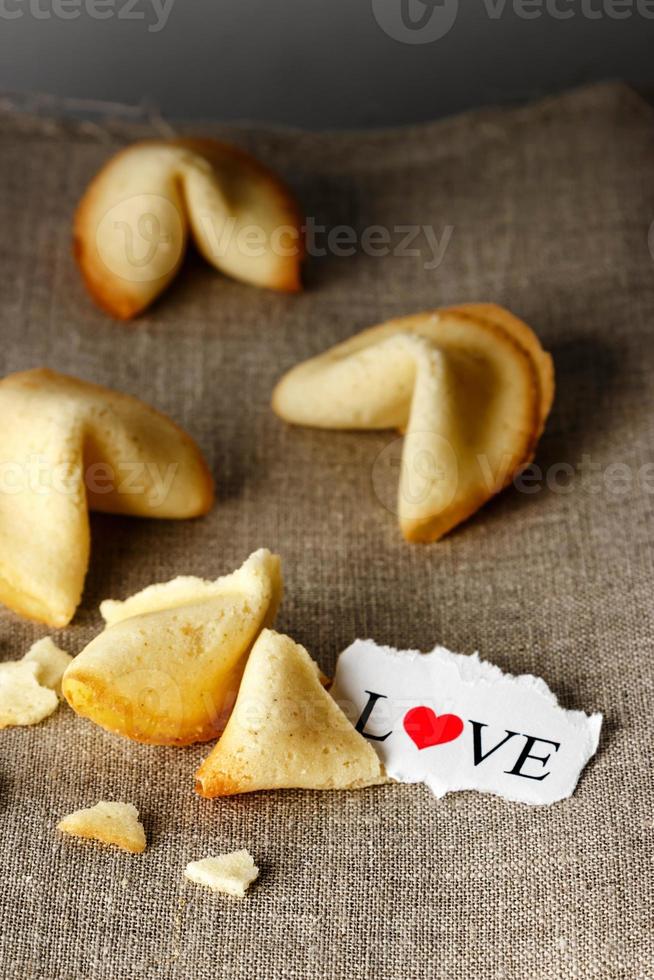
{"x": 133, "y": 223}
{"x": 470, "y": 386}
{"x": 68, "y": 447}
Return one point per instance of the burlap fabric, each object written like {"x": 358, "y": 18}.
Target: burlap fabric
{"x": 550, "y": 208}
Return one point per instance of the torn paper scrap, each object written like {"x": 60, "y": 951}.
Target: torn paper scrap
{"x": 456, "y": 722}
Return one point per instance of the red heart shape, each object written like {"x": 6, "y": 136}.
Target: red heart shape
{"x": 427, "y": 728}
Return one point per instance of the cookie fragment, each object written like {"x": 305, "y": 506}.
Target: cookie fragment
{"x": 231, "y": 874}
{"x": 286, "y": 730}
{"x": 23, "y": 700}
{"x": 167, "y": 667}
{"x": 109, "y": 823}
{"x": 52, "y": 662}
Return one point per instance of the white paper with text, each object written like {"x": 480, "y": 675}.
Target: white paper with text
{"x": 456, "y": 722}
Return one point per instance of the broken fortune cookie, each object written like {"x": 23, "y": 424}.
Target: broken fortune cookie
{"x": 166, "y": 668}
{"x": 286, "y": 730}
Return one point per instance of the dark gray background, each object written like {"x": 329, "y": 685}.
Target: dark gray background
{"x": 316, "y": 63}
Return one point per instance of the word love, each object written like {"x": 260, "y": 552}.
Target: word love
{"x": 455, "y": 722}
{"x": 426, "y": 729}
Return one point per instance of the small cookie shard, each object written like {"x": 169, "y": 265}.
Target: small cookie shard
{"x": 52, "y": 662}
{"x": 72, "y": 447}
{"x": 470, "y": 386}
{"x": 110, "y": 823}
{"x": 231, "y": 874}
{"x": 134, "y": 221}
{"x": 167, "y": 667}
{"x": 30, "y": 688}
{"x": 286, "y": 731}
{"x": 23, "y": 700}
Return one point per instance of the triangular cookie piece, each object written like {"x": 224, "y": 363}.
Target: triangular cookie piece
{"x": 286, "y": 730}
{"x": 231, "y": 874}
{"x": 134, "y": 221}
{"x": 167, "y": 667}
{"x": 71, "y": 447}
{"x": 470, "y": 386}
{"x": 110, "y": 823}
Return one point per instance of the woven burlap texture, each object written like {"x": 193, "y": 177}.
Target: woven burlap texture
{"x": 549, "y": 209}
